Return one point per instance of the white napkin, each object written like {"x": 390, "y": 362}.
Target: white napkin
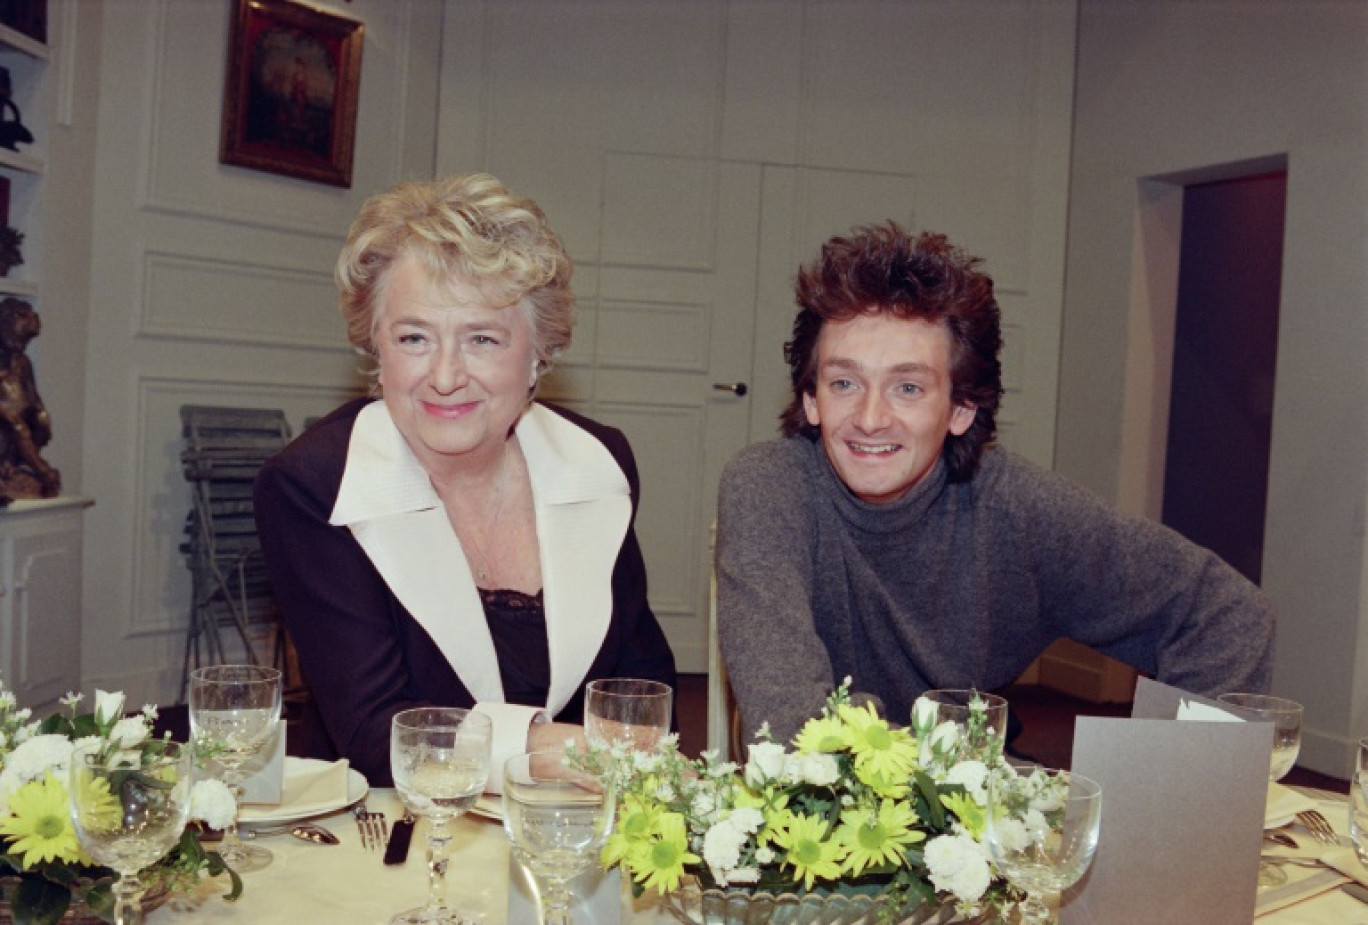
{"x": 1283, "y": 804}
{"x": 311, "y": 787}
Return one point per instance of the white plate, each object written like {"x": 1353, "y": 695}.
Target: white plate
{"x": 357, "y": 788}
{"x": 488, "y": 806}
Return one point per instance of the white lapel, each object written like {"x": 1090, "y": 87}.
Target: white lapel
{"x": 583, "y": 509}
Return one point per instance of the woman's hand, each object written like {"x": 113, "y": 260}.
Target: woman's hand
{"x": 544, "y": 736}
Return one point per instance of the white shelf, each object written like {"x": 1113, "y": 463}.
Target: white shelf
{"x": 12, "y": 38}
{"x": 17, "y": 161}
{"x": 24, "y": 287}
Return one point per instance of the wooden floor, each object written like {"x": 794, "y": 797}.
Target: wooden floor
{"x": 1047, "y": 719}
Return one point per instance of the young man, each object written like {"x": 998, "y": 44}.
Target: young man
{"x": 885, "y": 538}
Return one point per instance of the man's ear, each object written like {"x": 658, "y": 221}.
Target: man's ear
{"x": 810, "y": 409}
{"x": 961, "y": 418}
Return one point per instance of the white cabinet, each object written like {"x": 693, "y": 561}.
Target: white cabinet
{"x": 40, "y": 599}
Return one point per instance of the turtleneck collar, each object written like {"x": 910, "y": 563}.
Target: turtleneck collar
{"x": 892, "y": 517}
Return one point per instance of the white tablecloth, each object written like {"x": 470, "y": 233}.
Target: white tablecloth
{"x": 344, "y": 884}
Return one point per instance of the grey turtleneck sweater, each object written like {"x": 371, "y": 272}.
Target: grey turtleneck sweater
{"x": 956, "y": 585}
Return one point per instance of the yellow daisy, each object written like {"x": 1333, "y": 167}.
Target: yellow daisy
{"x": 808, "y": 850}
{"x": 821, "y": 734}
{"x": 876, "y": 836}
{"x": 659, "y": 861}
{"x": 878, "y": 747}
{"x": 39, "y": 826}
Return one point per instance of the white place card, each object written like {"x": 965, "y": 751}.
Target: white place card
{"x": 1182, "y": 816}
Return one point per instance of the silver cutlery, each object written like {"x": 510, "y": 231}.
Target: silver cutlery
{"x": 1281, "y": 838}
{"x": 371, "y": 826}
{"x": 306, "y": 832}
{"x": 1318, "y": 826}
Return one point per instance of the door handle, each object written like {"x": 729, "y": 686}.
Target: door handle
{"x": 736, "y": 388}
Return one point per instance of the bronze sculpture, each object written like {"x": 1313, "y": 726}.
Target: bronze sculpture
{"x": 24, "y": 423}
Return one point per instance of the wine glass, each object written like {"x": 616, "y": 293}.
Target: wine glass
{"x": 234, "y": 713}
{"x": 954, "y": 706}
{"x": 557, "y": 820}
{"x": 1285, "y": 716}
{"x": 439, "y": 757}
{"x": 1358, "y": 802}
{"x": 1041, "y": 831}
{"x": 128, "y": 812}
{"x": 629, "y": 712}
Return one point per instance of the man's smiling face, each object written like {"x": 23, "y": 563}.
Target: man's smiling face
{"x": 882, "y": 402}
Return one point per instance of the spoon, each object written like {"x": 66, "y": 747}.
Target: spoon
{"x": 310, "y": 833}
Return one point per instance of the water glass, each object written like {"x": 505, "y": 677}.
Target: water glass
{"x": 128, "y": 812}
{"x": 982, "y": 738}
{"x": 557, "y": 820}
{"x": 234, "y": 713}
{"x": 1358, "y": 802}
{"x": 1048, "y": 858}
{"x": 1285, "y": 717}
{"x": 629, "y": 712}
{"x": 439, "y": 757}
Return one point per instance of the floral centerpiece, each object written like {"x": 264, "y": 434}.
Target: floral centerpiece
{"x": 43, "y": 870}
{"x": 855, "y": 805}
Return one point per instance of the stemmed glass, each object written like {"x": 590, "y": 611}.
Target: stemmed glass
{"x": 234, "y": 713}
{"x": 557, "y": 820}
{"x": 1358, "y": 802}
{"x": 129, "y": 812}
{"x": 1041, "y": 831}
{"x": 630, "y": 712}
{"x": 439, "y": 757}
{"x": 955, "y": 706}
{"x": 1285, "y": 716}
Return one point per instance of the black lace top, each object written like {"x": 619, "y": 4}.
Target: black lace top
{"x": 517, "y": 622}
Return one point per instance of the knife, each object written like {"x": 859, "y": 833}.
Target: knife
{"x": 396, "y": 851}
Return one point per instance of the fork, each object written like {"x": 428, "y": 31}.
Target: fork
{"x": 1318, "y": 826}
{"x": 371, "y": 826}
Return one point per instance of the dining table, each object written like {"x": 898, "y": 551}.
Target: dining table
{"x": 347, "y": 883}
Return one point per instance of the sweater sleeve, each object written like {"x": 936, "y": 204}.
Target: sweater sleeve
{"x": 1142, "y": 593}
{"x": 778, "y": 666}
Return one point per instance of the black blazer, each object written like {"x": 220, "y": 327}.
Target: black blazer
{"x": 366, "y": 657}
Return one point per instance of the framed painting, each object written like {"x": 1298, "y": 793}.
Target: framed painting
{"x": 289, "y": 104}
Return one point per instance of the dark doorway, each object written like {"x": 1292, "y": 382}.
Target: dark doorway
{"x": 1224, "y": 361}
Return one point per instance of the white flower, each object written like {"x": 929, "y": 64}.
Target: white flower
{"x": 722, "y": 849}
{"x": 36, "y": 756}
{"x": 1012, "y": 834}
{"x": 212, "y": 803}
{"x": 955, "y": 863}
{"x": 820, "y": 770}
{"x": 108, "y": 707}
{"x": 924, "y": 715}
{"x": 767, "y": 760}
{"x": 973, "y": 777}
{"x": 129, "y": 732}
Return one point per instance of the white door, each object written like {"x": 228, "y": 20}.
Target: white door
{"x": 666, "y": 317}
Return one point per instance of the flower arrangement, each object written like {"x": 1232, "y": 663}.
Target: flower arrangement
{"x": 855, "y": 805}
{"x": 41, "y": 861}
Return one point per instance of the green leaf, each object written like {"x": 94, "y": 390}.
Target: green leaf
{"x": 39, "y": 902}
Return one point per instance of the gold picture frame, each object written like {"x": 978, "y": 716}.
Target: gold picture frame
{"x": 289, "y": 104}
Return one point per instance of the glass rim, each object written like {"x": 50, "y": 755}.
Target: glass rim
{"x": 650, "y": 688}
{"x": 1263, "y": 702}
{"x": 991, "y": 700}
{"x": 457, "y": 718}
{"x": 264, "y": 672}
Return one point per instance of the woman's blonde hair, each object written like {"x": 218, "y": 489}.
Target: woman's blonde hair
{"x": 469, "y": 226}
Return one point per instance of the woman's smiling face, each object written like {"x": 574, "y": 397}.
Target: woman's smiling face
{"x": 456, "y": 369}
{"x": 882, "y": 402}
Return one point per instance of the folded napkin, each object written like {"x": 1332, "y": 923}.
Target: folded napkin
{"x": 311, "y": 787}
{"x": 1283, "y": 804}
